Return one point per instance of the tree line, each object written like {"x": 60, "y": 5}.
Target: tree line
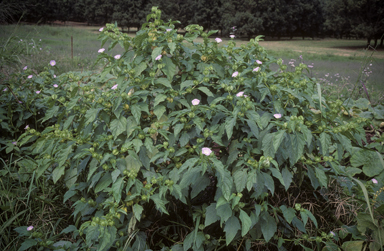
{"x": 245, "y": 18}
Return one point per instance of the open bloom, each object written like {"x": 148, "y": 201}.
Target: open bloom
{"x": 259, "y": 62}
{"x": 240, "y": 94}
{"x": 195, "y": 101}
{"x": 30, "y": 76}
{"x": 310, "y": 66}
{"x": 54, "y": 76}
{"x": 218, "y": 40}
{"x": 168, "y": 30}
{"x": 55, "y": 85}
{"x": 101, "y": 50}
{"x": 374, "y": 181}
{"x": 37, "y": 92}
{"x": 117, "y": 56}
{"x": 277, "y": 115}
{"x": 114, "y": 87}
{"x": 101, "y": 29}
{"x": 14, "y": 142}
{"x": 53, "y": 62}
{"x": 29, "y": 228}
{"x": 206, "y": 151}
{"x": 5, "y": 89}
{"x": 26, "y": 127}
{"x": 332, "y": 233}
{"x": 25, "y": 68}
{"x": 232, "y": 36}
{"x": 158, "y": 57}
{"x": 256, "y": 69}
{"x": 235, "y": 74}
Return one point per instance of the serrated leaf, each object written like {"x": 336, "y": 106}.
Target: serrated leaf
{"x": 268, "y": 182}
{"x": 51, "y": 112}
{"x": 117, "y": 188}
{"x": 230, "y": 122}
{"x": 246, "y": 222}
{"x": 288, "y": 213}
{"x": 325, "y": 141}
{"x": 103, "y": 183}
{"x": 321, "y": 176}
{"x": 57, "y": 173}
{"x": 186, "y": 83}
{"x": 232, "y": 225}
{"x": 118, "y": 126}
{"x": 28, "y": 243}
{"x": 136, "y": 112}
{"x": 107, "y": 238}
{"x": 156, "y": 52}
{"x": 164, "y": 81}
{"x": 251, "y": 179}
{"x": 169, "y": 69}
{"x": 140, "y": 68}
{"x": 371, "y": 161}
{"x": 137, "y": 210}
{"x": 159, "y": 98}
{"x": 211, "y": 215}
{"x": 287, "y": 177}
{"x": 177, "y": 129}
{"x": 268, "y": 226}
{"x": 206, "y": 91}
{"x": 160, "y": 203}
{"x": 240, "y": 177}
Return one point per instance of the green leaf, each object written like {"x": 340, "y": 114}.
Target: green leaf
{"x": 371, "y": 161}
{"x": 240, "y": 178}
{"x": 169, "y": 68}
{"x": 103, "y": 183}
{"x": 268, "y": 226}
{"x": 136, "y": 112}
{"x": 287, "y": 177}
{"x": 117, "y": 188}
{"x": 159, "y": 98}
{"x": 57, "y": 173}
{"x": 51, "y": 112}
{"x": 230, "y": 122}
{"x": 268, "y": 182}
{"x": 224, "y": 212}
{"x": 91, "y": 115}
{"x": 288, "y": 213}
{"x": 164, "y": 82}
{"x": 353, "y": 245}
{"x": 92, "y": 234}
{"x": 246, "y": 222}
{"x": 232, "y": 226}
{"x": 118, "y": 126}
{"x": 186, "y": 83}
{"x": 206, "y": 91}
{"x": 133, "y": 162}
{"x": 28, "y": 243}
{"x": 277, "y": 174}
{"x": 325, "y": 141}
{"x": 251, "y": 179}
{"x": 107, "y": 238}
{"x": 172, "y": 47}
{"x": 137, "y": 210}
{"x": 160, "y": 203}
{"x": 321, "y": 176}
{"x": 211, "y": 215}
{"x": 140, "y": 68}
{"x": 156, "y": 52}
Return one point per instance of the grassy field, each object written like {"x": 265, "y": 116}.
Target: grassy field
{"x": 337, "y": 64}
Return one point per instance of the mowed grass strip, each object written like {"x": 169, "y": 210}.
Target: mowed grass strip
{"x": 336, "y": 62}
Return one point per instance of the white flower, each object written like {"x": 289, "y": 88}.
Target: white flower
{"x": 53, "y": 62}
{"x": 114, "y": 87}
{"x": 25, "y": 68}
{"x": 232, "y": 36}
{"x": 206, "y": 151}
{"x": 195, "y": 101}
{"x": 310, "y": 66}
{"x": 26, "y": 127}
{"x": 256, "y": 69}
{"x": 277, "y": 115}
{"x": 30, "y": 76}
{"x": 29, "y": 228}
{"x": 101, "y": 29}
{"x": 118, "y": 56}
{"x": 235, "y": 74}
{"x": 374, "y": 181}
{"x": 259, "y": 62}
{"x": 218, "y": 40}
{"x": 240, "y": 94}
{"x": 55, "y": 85}
{"x": 168, "y": 30}
{"x": 101, "y": 50}
{"x": 38, "y": 92}
{"x": 158, "y": 57}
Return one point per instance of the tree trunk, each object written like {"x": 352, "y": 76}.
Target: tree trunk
{"x": 381, "y": 43}
{"x": 375, "y": 43}
{"x": 368, "y": 42}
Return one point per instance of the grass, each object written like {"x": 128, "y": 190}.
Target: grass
{"x": 340, "y": 59}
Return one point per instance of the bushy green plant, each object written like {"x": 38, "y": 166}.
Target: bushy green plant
{"x": 192, "y": 146}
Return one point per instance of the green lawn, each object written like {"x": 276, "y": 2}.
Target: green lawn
{"x": 341, "y": 60}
